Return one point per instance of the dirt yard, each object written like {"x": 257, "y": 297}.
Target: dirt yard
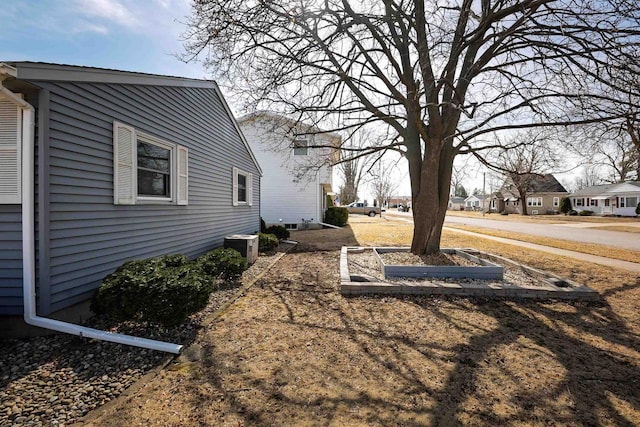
{"x": 294, "y": 352}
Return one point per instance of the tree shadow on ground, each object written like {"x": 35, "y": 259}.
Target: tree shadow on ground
{"x": 540, "y": 362}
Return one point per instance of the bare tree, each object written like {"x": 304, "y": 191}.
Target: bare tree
{"x": 458, "y": 175}
{"x": 383, "y": 182}
{"x": 444, "y": 76}
{"x": 589, "y": 177}
{"x": 353, "y": 165}
{"x": 526, "y": 168}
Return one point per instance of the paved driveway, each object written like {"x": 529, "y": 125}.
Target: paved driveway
{"x": 569, "y": 231}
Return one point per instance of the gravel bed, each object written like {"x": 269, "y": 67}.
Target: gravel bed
{"x": 407, "y": 258}
{"x": 54, "y": 380}
{"x": 365, "y": 263}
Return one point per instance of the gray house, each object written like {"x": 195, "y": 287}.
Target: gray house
{"x": 110, "y": 166}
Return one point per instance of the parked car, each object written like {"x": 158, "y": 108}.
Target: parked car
{"x": 360, "y": 208}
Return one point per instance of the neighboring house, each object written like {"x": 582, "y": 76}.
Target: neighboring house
{"x": 476, "y": 202}
{"x": 608, "y": 199}
{"x": 543, "y": 196}
{"x": 126, "y": 165}
{"x": 297, "y": 177}
{"x": 395, "y": 201}
{"x": 455, "y": 203}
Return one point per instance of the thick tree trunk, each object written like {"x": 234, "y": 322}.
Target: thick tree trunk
{"x": 430, "y": 191}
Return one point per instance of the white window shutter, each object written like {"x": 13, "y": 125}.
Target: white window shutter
{"x": 10, "y": 159}
{"x": 235, "y": 187}
{"x": 183, "y": 176}
{"x": 124, "y": 164}
{"x": 250, "y": 189}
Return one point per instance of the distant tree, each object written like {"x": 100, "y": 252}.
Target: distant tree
{"x": 524, "y": 167}
{"x": 565, "y": 205}
{"x": 458, "y": 175}
{"x": 353, "y": 166}
{"x": 443, "y": 76}
{"x": 383, "y": 183}
{"x": 460, "y": 191}
{"x": 590, "y": 176}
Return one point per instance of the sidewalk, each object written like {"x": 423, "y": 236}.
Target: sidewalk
{"x": 623, "y": 265}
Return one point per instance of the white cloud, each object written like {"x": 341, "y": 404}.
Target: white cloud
{"x": 111, "y": 10}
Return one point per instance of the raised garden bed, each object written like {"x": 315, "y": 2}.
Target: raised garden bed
{"x": 363, "y": 274}
{"x": 475, "y": 268}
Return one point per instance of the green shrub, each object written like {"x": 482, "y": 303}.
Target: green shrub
{"x": 164, "y": 290}
{"x": 279, "y": 231}
{"x": 573, "y": 212}
{"x": 267, "y": 242}
{"x": 585, "y": 213}
{"x": 638, "y": 209}
{"x": 226, "y": 264}
{"x": 263, "y": 225}
{"x": 329, "y": 201}
{"x": 565, "y": 205}
{"x": 336, "y": 216}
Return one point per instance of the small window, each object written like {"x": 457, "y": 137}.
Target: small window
{"x": 242, "y": 188}
{"x": 300, "y": 147}
{"x": 556, "y": 202}
{"x": 147, "y": 169}
{"x": 622, "y": 205}
{"x": 594, "y": 202}
{"x": 534, "y": 201}
{"x": 154, "y": 170}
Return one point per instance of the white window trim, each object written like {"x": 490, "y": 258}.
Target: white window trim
{"x": 132, "y": 184}
{"x": 173, "y": 149}
{"x": 534, "y": 202}
{"x": 234, "y": 188}
{"x": 556, "y": 202}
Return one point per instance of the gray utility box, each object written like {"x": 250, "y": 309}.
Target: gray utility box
{"x": 246, "y": 244}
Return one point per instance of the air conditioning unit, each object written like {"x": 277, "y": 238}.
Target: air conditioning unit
{"x": 246, "y": 244}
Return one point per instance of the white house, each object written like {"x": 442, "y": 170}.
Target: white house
{"x": 297, "y": 176}
{"x": 619, "y": 199}
{"x": 476, "y": 202}
{"x": 455, "y": 203}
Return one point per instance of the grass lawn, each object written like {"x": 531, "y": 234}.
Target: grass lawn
{"x": 587, "y": 248}
{"x": 548, "y": 219}
{"x": 292, "y": 351}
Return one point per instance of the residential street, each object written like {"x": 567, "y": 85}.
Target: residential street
{"x": 559, "y": 231}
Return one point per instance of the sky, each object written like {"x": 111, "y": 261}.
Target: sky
{"x": 131, "y": 35}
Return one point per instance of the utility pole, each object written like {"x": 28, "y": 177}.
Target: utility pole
{"x": 484, "y": 192}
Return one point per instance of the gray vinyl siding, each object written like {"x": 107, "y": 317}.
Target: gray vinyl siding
{"x": 89, "y": 235}
{"x": 11, "y": 259}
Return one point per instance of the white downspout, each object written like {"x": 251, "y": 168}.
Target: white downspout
{"x": 28, "y": 249}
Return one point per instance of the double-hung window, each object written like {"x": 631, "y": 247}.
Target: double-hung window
{"x": 242, "y": 188}
{"x": 556, "y": 202}
{"x": 154, "y": 169}
{"x": 148, "y": 169}
{"x": 534, "y": 201}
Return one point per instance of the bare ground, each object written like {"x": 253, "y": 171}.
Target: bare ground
{"x": 292, "y": 351}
